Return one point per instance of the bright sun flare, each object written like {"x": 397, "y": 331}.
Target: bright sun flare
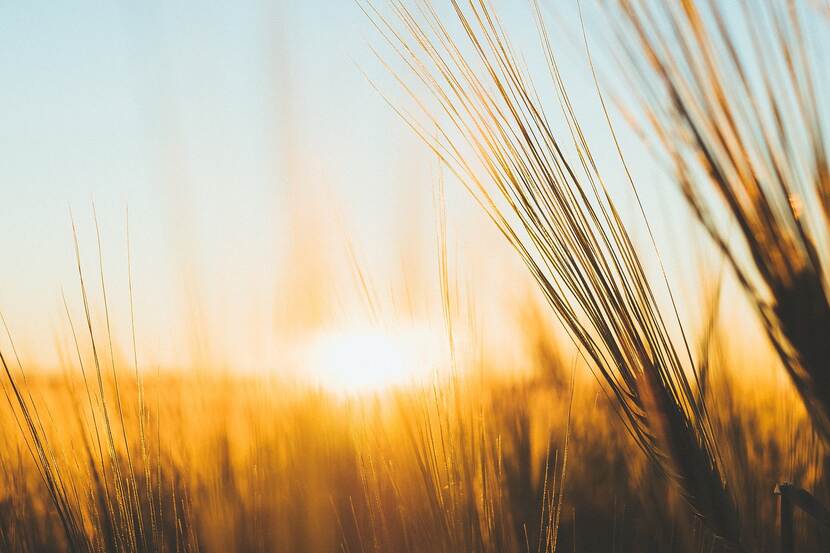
{"x": 363, "y": 360}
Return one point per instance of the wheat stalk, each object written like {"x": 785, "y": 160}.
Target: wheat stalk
{"x": 745, "y": 129}
{"x": 488, "y": 125}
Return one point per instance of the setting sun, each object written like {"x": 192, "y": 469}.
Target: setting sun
{"x": 367, "y": 359}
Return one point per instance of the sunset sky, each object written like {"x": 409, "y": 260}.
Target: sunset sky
{"x": 233, "y": 132}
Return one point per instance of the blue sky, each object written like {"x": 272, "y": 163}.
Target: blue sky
{"x": 211, "y": 121}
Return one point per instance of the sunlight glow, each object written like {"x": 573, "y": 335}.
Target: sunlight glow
{"x": 367, "y": 359}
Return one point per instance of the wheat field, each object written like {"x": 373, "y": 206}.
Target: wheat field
{"x": 615, "y": 407}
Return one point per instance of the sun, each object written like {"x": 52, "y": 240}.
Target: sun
{"x": 367, "y": 359}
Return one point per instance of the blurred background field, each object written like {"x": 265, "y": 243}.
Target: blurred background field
{"x": 225, "y": 462}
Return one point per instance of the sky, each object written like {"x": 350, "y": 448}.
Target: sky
{"x": 241, "y": 137}
{"x": 217, "y": 125}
